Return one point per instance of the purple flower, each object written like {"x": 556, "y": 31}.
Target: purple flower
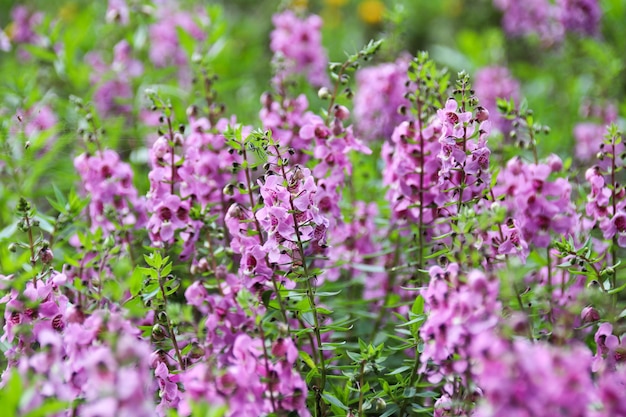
{"x": 521, "y": 378}
{"x": 582, "y": 16}
{"x": 286, "y": 117}
{"x": 169, "y": 215}
{"x": 460, "y": 309}
{"x": 492, "y": 83}
{"x": 532, "y": 17}
{"x": 113, "y": 83}
{"x": 109, "y": 181}
{"x": 165, "y": 48}
{"x": 589, "y": 137}
{"x": 24, "y": 23}
{"x": 454, "y": 121}
{"x": 538, "y": 204}
{"x": 616, "y": 226}
{"x": 118, "y": 12}
{"x": 379, "y": 95}
{"x": 297, "y": 45}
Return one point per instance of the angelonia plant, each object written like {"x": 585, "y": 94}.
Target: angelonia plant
{"x": 387, "y": 239}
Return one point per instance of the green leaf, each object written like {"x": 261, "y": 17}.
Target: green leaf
{"x": 166, "y": 269}
{"x": 390, "y": 411}
{"x": 136, "y": 281}
{"x": 418, "y": 305}
{"x": 369, "y": 268}
{"x": 399, "y": 370}
{"x": 10, "y": 395}
{"x": 306, "y": 358}
{"x": 332, "y": 345}
{"x": 331, "y": 399}
{"x": 50, "y": 407}
{"x": 617, "y": 290}
{"x": 187, "y": 42}
{"x": 8, "y": 231}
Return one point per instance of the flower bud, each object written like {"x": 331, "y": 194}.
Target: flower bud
{"x": 555, "y": 163}
{"x": 342, "y": 112}
{"x": 482, "y": 114}
{"x": 589, "y": 315}
{"x": 46, "y": 256}
{"x": 380, "y": 405}
{"x": 323, "y": 93}
{"x": 192, "y": 111}
{"x": 158, "y": 333}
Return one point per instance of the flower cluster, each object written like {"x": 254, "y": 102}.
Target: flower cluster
{"x": 589, "y": 137}
{"x": 23, "y": 25}
{"x": 114, "y": 199}
{"x": 114, "y": 82}
{"x": 464, "y": 174}
{"x": 95, "y": 360}
{"x": 291, "y": 216}
{"x": 379, "y": 97}
{"x": 333, "y": 144}
{"x": 539, "y": 17}
{"x": 354, "y": 242}
{"x": 521, "y": 378}
{"x": 297, "y": 45}
{"x": 38, "y": 119}
{"x": 118, "y": 12}
{"x": 279, "y": 264}
{"x": 461, "y": 309}
{"x": 492, "y": 83}
{"x": 207, "y": 164}
{"x": 606, "y": 203}
{"x": 538, "y": 204}
{"x": 241, "y": 384}
{"x": 411, "y": 172}
{"x": 284, "y": 117}
{"x": 165, "y": 48}
{"x": 582, "y": 16}
{"x": 242, "y": 376}
{"x": 548, "y": 20}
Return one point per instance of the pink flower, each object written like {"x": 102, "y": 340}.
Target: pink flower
{"x": 297, "y": 43}
{"x": 378, "y": 97}
{"x": 492, "y": 83}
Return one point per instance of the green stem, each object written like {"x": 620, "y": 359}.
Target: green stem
{"x": 309, "y": 286}
{"x": 270, "y": 382}
{"x": 31, "y": 246}
{"x": 170, "y": 328}
{"x": 259, "y": 230}
{"x": 361, "y": 378}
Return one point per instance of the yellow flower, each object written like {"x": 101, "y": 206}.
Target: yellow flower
{"x": 68, "y": 12}
{"x": 10, "y": 30}
{"x": 371, "y": 11}
{"x": 300, "y": 4}
{"x": 336, "y": 3}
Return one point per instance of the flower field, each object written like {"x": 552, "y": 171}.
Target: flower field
{"x": 312, "y": 208}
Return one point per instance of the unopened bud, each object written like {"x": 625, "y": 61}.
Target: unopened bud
{"x": 158, "y": 333}
{"x": 555, "y": 163}
{"x": 192, "y": 111}
{"x": 46, "y": 256}
{"x": 589, "y": 315}
{"x": 323, "y": 93}
{"x": 342, "y": 112}
{"x": 482, "y": 114}
{"x": 380, "y": 405}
